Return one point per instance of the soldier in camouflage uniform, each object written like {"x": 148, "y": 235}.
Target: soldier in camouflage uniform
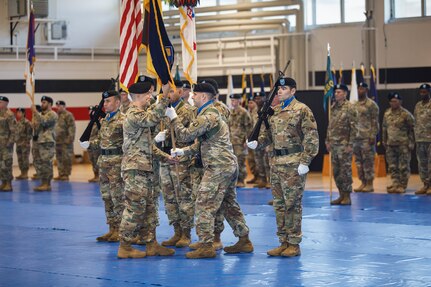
{"x": 365, "y": 139}
{"x": 24, "y": 133}
{"x": 398, "y": 140}
{"x": 219, "y": 105}
{"x": 176, "y": 178}
{"x": 44, "y": 125}
{"x": 186, "y": 93}
{"x": 125, "y": 101}
{"x": 65, "y": 135}
{"x": 293, "y": 135}
{"x": 342, "y": 130}
{"x": 239, "y": 128}
{"x": 109, "y": 162}
{"x": 94, "y": 149}
{"x": 35, "y": 147}
{"x": 7, "y": 139}
{"x": 422, "y": 116}
{"x": 137, "y": 169}
{"x": 217, "y": 187}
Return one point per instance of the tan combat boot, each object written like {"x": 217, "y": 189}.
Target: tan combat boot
{"x": 206, "y": 250}
{"x": 45, "y": 186}
{"x": 291, "y": 251}
{"x": 23, "y": 175}
{"x": 115, "y": 236}
{"x": 57, "y": 177}
{"x": 217, "y": 244}
{"x": 2, "y": 184}
{"x": 368, "y": 187}
{"x": 271, "y": 202}
{"x": 106, "y": 236}
{"x": 64, "y": 178}
{"x": 423, "y": 190}
{"x": 174, "y": 239}
{"x": 35, "y": 177}
{"x": 346, "y": 199}
{"x": 7, "y": 186}
{"x": 137, "y": 240}
{"x": 185, "y": 239}
{"x": 155, "y": 249}
{"x": 127, "y": 251}
{"x": 260, "y": 183}
{"x": 278, "y": 250}
{"x": 243, "y": 245}
{"x": 251, "y": 181}
{"x": 338, "y": 200}
{"x": 360, "y": 188}
{"x": 399, "y": 189}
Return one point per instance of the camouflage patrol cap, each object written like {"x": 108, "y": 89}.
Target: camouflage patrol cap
{"x": 289, "y": 82}
{"x": 394, "y": 95}
{"x": 363, "y": 85}
{"x": 140, "y": 87}
{"x": 341, "y": 87}
{"x": 212, "y": 82}
{"x": 425, "y": 87}
{"x": 110, "y": 93}
{"x": 48, "y": 99}
{"x": 235, "y": 96}
{"x": 60, "y": 103}
{"x": 4, "y": 99}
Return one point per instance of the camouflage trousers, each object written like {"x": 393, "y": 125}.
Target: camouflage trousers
{"x": 342, "y": 167}
{"x": 178, "y": 194}
{"x": 217, "y": 192}
{"x": 287, "y": 190}
{"x": 364, "y": 159}
{"x": 241, "y": 153}
{"x": 252, "y": 162}
{"x": 64, "y": 154}
{"x": 23, "y": 153}
{"x": 139, "y": 209}
{"x": 197, "y": 173}
{"x": 262, "y": 164}
{"x": 93, "y": 154}
{"x": 43, "y": 162}
{"x": 36, "y": 155}
{"x": 398, "y": 159}
{"x": 6, "y": 159}
{"x": 111, "y": 187}
{"x": 423, "y": 153}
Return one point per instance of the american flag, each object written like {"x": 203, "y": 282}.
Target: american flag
{"x": 31, "y": 57}
{"x": 130, "y": 41}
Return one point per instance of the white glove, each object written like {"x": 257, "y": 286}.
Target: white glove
{"x": 177, "y": 152}
{"x": 85, "y": 145}
{"x": 161, "y": 136}
{"x": 190, "y": 101}
{"x": 171, "y": 113}
{"x": 252, "y": 144}
{"x": 303, "y": 169}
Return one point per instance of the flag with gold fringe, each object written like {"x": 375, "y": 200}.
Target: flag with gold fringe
{"x": 31, "y": 57}
{"x": 188, "y": 43}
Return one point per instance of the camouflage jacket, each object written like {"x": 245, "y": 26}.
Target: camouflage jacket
{"x": 398, "y": 127}
{"x": 368, "y": 119}
{"x": 44, "y": 124}
{"x": 342, "y": 128}
{"x": 7, "y": 128}
{"x": 422, "y": 115}
{"x": 111, "y": 132}
{"x": 65, "y": 128}
{"x": 213, "y": 142}
{"x": 24, "y": 132}
{"x": 239, "y": 125}
{"x": 138, "y": 140}
{"x": 223, "y": 109}
{"x": 292, "y": 127}
{"x": 124, "y": 107}
{"x": 94, "y": 137}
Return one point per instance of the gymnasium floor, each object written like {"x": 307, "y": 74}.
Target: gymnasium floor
{"x": 48, "y": 239}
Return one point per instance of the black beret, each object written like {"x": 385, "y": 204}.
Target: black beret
{"x": 22, "y": 110}
{"x": 38, "y": 108}
{"x": 235, "y": 96}
{"x": 143, "y": 78}
{"x": 48, "y": 99}
{"x": 204, "y": 88}
{"x": 212, "y": 82}
{"x": 121, "y": 90}
{"x": 259, "y": 94}
{"x": 3, "y": 98}
{"x": 110, "y": 93}
{"x": 186, "y": 85}
{"x": 286, "y": 81}
{"x": 425, "y": 87}
{"x": 363, "y": 85}
{"x": 341, "y": 87}
{"x": 394, "y": 95}
{"x": 60, "y": 103}
{"x": 178, "y": 83}
{"x": 140, "y": 87}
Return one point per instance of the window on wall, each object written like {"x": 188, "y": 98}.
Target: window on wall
{"x": 410, "y": 8}
{"x": 323, "y": 12}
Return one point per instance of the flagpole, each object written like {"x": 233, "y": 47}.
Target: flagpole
{"x": 329, "y": 152}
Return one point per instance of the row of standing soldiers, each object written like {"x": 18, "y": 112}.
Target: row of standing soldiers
{"x": 52, "y": 134}
{"x": 186, "y": 152}
{"x": 353, "y": 129}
